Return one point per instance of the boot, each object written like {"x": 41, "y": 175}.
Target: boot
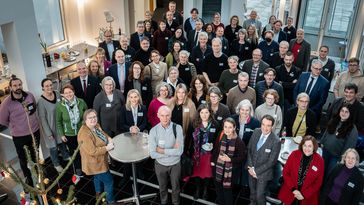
{"x": 205, "y": 194}
{"x": 197, "y": 192}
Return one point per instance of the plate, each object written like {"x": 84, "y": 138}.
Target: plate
{"x": 70, "y": 59}
{"x": 285, "y": 155}
{"x": 74, "y": 53}
{"x": 297, "y": 139}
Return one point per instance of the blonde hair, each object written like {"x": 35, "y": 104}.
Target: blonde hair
{"x": 128, "y": 103}
{"x": 347, "y": 152}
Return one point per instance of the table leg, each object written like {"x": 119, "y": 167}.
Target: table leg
{"x": 135, "y": 190}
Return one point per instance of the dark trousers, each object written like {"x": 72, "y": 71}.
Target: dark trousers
{"x": 257, "y": 191}
{"x": 19, "y": 143}
{"x": 224, "y": 195}
{"x": 72, "y": 145}
{"x": 164, "y": 173}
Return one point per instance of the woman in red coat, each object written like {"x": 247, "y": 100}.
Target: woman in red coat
{"x": 303, "y": 174}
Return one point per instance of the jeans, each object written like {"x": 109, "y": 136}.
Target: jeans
{"x": 104, "y": 182}
{"x": 72, "y": 146}
{"x": 54, "y": 153}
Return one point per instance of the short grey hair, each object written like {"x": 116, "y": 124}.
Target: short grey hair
{"x": 202, "y": 34}
{"x": 316, "y": 61}
{"x": 245, "y": 103}
{"x": 184, "y": 52}
{"x": 243, "y": 74}
{"x": 303, "y": 95}
{"x": 284, "y": 43}
{"x": 173, "y": 68}
{"x": 216, "y": 39}
{"x": 236, "y": 58}
{"x": 216, "y": 90}
{"x": 108, "y": 78}
{"x": 163, "y": 84}
{"x": 346, "y": 153}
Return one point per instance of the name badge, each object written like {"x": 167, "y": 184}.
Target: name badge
{"x": 140, "y": 114}
{"x": 235, "y": 81}
{"x": 326, "y": 69}
{"x": 203, "y": 101}
{"x": 246, "y": 48}
{"x": 267, "y": 150}
{"x": 151, "y": 36}
{"x": 182, "y": 43}
{"x": 236, "y": 33}
{"x": 161, "y": 142}
{"x": 219, "y": 118}
{"x": 298, "y": 50}
{"x": 197, "y": 59}
{"x": 144, "y": 88}
{"x": 187, "y": 69}
{"x": 172, "y": 29}
{"x": 166, "y": 38}
{"x": 213, "y": 130}
{"x": 271, "y": 54}
{"x": 275, "y": 116}
{"x": 289, "y": 32}
{"x": 30, "y": 107}
{"x": 260, "y": 74}
{"x": 291, "y": 74}
{"x": 248, "y": 130}
{"x": 225, "y": 47}
{"x": 314, "y": 168}
{"x": 351, "y": 185}
{"x": 108, "y": 104}
{"x": 186, "y": 110}
{"x": 221, "y": 64}
{"x": 174, "y": 18}
{"x": 58, "y": 100}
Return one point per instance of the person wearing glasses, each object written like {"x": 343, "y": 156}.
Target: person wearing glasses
{"x": 109, "y": 45}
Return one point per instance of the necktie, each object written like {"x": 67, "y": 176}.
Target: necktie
{"x": 308, "y": 89}
{"x": 196, "y": 38}
{"x": 84, "y": 87}
{"x": 122, "y": 78}
{"x": 260, "y": 142}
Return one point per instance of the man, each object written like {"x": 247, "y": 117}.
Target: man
{"x": 301, "y": 50}
{"x": 199, "y": 52}
{"x": 119, "y": 70}
{"x": 315, "y": 85}
{"x": 215, "y": 63}
{"x": 353, "y": 75}
{"x": 14, "y": 113}
{"x": 137, "y": 37}
{"x": 124, "y": 46}
{"x": 277, "y": 58}
{"x": 225, "y": 43}
{"x": 143, "y": 54}
{"x": 86, "y": 86}
{"x": 190, "y": 23}
{"x": 269, "y": 83}
{"x": 290, "y": 30}
{"x": 287, "y": 76}
{"x": 109, "y": 45}
{"x": 166, "y": 147}
{"x": 170, "y": 23}
{"x": 279, "y": 35}
{"x": 177, "y": 17}
{"x": 263, "y": 150}
{"x": 240, "y": 92}
{"x": 253, "y": 21}
{"x": 192, "y": 35}
{"x": 255, "y": 67}
{"x": 356, "y": 107}
{"x": 328, "y": 69}
{"x": 268, "y": 47}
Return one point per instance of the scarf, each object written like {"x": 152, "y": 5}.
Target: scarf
{"x": 200, "y": 137}
{"x": 73, "y": 112}
{"x": 101, "y": 135}
{"x": 224, "y": 169}
{"x": 302, "y": 172}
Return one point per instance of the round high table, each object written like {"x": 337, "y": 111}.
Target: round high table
{"x": 131, "y": 148}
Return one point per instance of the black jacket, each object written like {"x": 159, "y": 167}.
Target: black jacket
{"x": 93, "y": 88}
{"x": 291, "y": 116}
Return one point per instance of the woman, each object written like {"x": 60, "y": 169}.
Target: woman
{"x": 186, "y": 69}
{"x": 216, "y": 22}
{"x": 47, "y": 118}
{"x": 205, "y": 134}
{"x": 241, "y": 47}
{"x": 148, "y": 16}
{"x": 270, "y": 24}
{"x": 303, "y": 174}
{"x": 252, "y": 36}
{"x": 134, "y": 118}
{"x": 198, "y": 91}
{"x": 231, "y": 31}
{"x": 209, "y": 29}
{"x": 229, "y": 78}
{"x": 345, "y": 182}
{"x": 227, "y": 160}
{"x": 101, "y": 59}
{"x": 172, "y": 57}
{"x": 173, "y": 79}
{"x": 270, "y": 107}
{"x": 94, "y": 69}
{"x": 161, "y": 38}
{"x": 69, "y": 112}
{"x": 108, "y": 104}
{"x": 340, "y": 134}
{"x": 137, "y": 80}
{"x": 178, "y": 36}
{"x": 163, "y": 91}
{"x": 156, "y": 71}
{"x": 200, "y": 51}
{"x": 149, "y": 30}
{"x": 300, "y": 120}
{"x": 95, "y": 144}
{"x": 219, "y": 110}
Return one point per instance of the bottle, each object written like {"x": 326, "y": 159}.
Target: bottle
{"x": 119, "y": 31}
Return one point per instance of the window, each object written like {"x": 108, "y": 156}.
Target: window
{"x": 263, "y": 8}
{"x": 49, "y": 20}
{"x": 341, "y": 15}
{"x": 313, "y": 14}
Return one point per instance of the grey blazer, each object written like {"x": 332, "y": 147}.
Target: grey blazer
{"x": 264, "y": 159}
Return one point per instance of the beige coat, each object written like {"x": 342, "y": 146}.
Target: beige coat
{"x": 157, "y": 75}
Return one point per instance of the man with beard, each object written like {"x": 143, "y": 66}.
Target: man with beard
{"x": 13, "y": 114}
{"x": 269, "y": 83}
{"x": 143, "y": 53}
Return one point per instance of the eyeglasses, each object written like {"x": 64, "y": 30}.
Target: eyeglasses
{"x": 303, "y": 101}
{"x": 108, "y": 36}
{"x": 317, "y": 68}
{"x": 92, "y": 118}
{"x": 353, "y": 65}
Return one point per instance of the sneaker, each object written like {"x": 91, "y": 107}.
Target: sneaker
{"x": 67, "y": 159}
{"x": 79, "y": 173}
{"x": 59, "y": 168}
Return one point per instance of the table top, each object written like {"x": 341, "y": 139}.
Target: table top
{"x": 130, "y": 147}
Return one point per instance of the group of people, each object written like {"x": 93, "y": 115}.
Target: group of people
{"x": 222, "y": 98}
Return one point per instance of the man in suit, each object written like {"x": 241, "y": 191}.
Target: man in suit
{"x": 176, "y": 16}
{"x": 137, "y": 37}
{"x": 263, "y": 150}
{"x": 315, "y": 85}
{"x": 328, "y": 69}
{"x": 119, "y": 70}
{"x": 86, "y": 86}
{"x": 109, "y": 45}
{"x": 192, "y": 36}
{"x": 301, "y": 50}
{"x": 255, "y": 67}
{"x": 170, "y": 23}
